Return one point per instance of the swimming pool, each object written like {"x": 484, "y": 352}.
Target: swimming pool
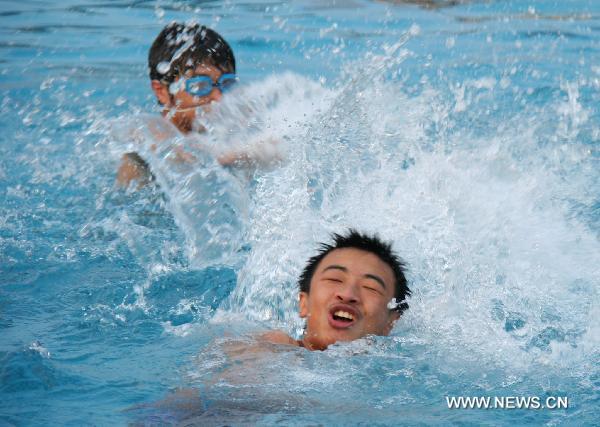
{"x": 466, "y": 134}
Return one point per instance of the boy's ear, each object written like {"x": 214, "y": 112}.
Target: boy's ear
{"x": 394, "y": 316}
{"x": 161, "y": 91}
{"x": 303, "y": 303}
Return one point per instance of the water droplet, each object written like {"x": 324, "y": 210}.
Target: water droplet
{"x": 414, "y": 30}
{"x": 163, "y": 67}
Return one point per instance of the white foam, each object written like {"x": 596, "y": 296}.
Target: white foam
{"x": 40, "y": 349}
{"x": 484, "y": 222}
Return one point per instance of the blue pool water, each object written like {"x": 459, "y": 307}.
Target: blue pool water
{"x": 467, "y": 134}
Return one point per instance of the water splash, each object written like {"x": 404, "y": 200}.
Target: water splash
{"x": 484, "y": 219}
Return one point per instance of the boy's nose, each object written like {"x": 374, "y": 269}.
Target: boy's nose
{"x": 215, "y": 94}
{"x": 348, "y": 293}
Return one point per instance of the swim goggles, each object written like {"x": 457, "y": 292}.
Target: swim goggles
{"x": 203, "y": 85}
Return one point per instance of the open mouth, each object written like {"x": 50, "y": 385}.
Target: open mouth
{"x": 342, "y": 317}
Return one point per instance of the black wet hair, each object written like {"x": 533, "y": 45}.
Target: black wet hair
{"x": 181, "y": 47}
{"x": 367, "y": 243}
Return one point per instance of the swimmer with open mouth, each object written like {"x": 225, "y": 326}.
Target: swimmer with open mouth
{"x": 346, "y": 290}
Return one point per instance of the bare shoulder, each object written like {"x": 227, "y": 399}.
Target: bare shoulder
{"x": 277, "y": 337}
{"x": 133, "y": 168}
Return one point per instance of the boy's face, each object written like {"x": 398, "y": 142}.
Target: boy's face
{"x": 348, "y": 298}
{"x": 183, "y": 100}
{"x": 182, "y": 105}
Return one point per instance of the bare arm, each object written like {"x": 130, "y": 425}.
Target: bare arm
{"x": 262, "y": 153}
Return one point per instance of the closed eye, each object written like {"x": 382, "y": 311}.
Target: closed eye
{"x": 373, "y": 289}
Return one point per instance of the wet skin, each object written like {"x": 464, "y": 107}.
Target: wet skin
{"x": 348, "y": 298}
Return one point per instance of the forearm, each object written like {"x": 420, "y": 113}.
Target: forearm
{"x": 133, "y": 168}
{"x": 262, "y": 153}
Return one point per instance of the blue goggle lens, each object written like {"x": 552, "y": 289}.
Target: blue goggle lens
{"x": 203, "y": 85}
